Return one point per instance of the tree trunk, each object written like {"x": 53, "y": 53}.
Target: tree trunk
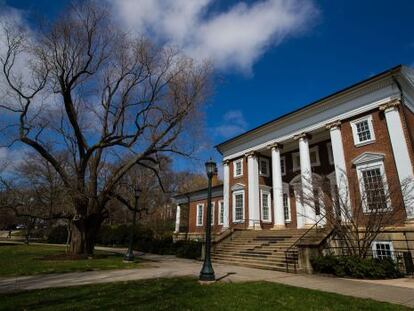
{"x": 83, "y": 234}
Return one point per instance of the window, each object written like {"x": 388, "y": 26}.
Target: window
{"x": 238, "y": 206}
{"x": 221, "y": 213}
{"x": 266, "y": 210}
{"x": 363, "y": 131}
{"x": 283, "y": 165}
{"x": 238, "y": 168}
{"x": 212, "y": 213}
{"x": 264, "y": 167}
{"x": 316, "y": 202}
{"x": 200, "y": 211}
{"x": 382, "y": 249}
{"x": 373, "y": 188}
{"x": 314, "y": 158}
{"x": 330, "y": 153}
{"x": 286, "y": 204}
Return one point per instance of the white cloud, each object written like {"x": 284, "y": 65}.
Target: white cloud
{"x": 231, "y": 39}
{"x": 232, "y": 124}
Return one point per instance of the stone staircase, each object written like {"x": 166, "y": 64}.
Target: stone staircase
{"x": 263, "y": 249}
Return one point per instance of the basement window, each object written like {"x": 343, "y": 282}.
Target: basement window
{"x": 382, "y": 249}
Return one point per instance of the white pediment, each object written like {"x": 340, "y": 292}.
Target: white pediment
{"x": 368, "y": 157}
{"x": 265, "y": 187}
{"x": 238, "y": 186}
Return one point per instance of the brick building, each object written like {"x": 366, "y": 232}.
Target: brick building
{"x": 362, "y": 134}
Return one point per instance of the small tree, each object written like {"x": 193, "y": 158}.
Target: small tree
{"x": 359, "y": 213}
{"x": 109, "y": 100}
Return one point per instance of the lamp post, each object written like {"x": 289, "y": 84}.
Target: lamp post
{"x": 129, "y": 256}
{"x": 207, "y": 272}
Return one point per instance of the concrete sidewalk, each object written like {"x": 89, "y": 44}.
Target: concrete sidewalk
{"x": 393, "y": 291}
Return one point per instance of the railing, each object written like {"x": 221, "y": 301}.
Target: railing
{"x": 293, "y": 253}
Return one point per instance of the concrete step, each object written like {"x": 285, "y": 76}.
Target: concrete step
{"x": 257, "y": 266}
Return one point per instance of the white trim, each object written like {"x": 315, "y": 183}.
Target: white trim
{"x": 234, "y": 205}
{"x": 220, "y": 211}
{"x": 269, "y": 203}
{"x": 235, "y": 168}
{"x": 198, "y": 214}
{"x": 286, "y": 192}
{"x": 374, "y": 246}
{"x": 226, "y": 194}
{"x": 357, "y": 141}
{"x": 369, "y": 166}
{"x": 330, "y": 153}
{"x": 283, "y": 159}
{"x": 266, "y": 174}
{"x": 228, "y": 155}
{"x": 297, "y": 154}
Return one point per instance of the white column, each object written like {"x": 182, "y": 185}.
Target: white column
{"x": 401, "y": 155}
{"x": 340, "y": 169}
{"x": 279, "y": 215}
{"x": 253, "y": 191}
{"x": 306, "y": 178}
{"x": 226, "y": 194}
{"x": 177, "y": 219}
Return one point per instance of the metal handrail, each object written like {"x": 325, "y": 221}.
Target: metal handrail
{"x": 297, "y": 241}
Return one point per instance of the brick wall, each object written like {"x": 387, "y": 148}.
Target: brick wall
{"x": 382, "y": 144}
{"x": 193, "y": 215}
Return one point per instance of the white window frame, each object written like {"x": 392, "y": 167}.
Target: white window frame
{"x": 374, "y": 248}
{"x": 237, "y": 192}
{"x": 357, "y": 142}
{"x": 198, "y": 214}
{"x": 220, "y": 212}
{"x": 283, "y": 159}
{"x": 266, "y": 174}
{"x": 368, "y": 166}
{"x": 330, "y": 153}
{"x": 213, "y": 205}
{"x": 235, "y": 170}
{"x": 269, "y": 202}
{"x": 286, "y": 191}
{"x": 296, "y": 166}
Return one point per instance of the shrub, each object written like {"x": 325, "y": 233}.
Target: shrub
{"x": 188, "y": 249}
{"x": 146, "y": 241}
{"x": 58, "y": 235}
{"x": 351, "y": 266}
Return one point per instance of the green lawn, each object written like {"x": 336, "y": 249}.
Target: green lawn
{"x": 186, "y": 294}
{"x": 37, "y": 259}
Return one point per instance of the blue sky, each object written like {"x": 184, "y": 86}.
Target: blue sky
{"x": 328, "y": 46}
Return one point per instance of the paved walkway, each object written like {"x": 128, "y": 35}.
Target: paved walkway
{"x": 395, "y": 291}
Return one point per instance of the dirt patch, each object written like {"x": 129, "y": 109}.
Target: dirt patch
{"x": 64, "y": 256}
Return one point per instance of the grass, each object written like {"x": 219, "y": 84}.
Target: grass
{"x": 37, "y": 259}
{"x": 186, "y": 294}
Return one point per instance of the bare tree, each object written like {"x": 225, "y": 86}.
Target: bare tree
{"x": 108, "y": 99}
{"x": 359, "y": 213}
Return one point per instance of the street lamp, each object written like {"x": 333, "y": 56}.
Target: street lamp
{"x": 129, "y": 256}
{"x": 207, "y": 272}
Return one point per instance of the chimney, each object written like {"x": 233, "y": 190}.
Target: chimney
{"x": 214, "y": 179}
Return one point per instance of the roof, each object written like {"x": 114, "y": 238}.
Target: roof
{"x": 198, "y": 194}
{"x": 388, "y": 72}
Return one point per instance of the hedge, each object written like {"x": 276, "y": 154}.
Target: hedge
{"x": 58, "y": 235}
{"x": 355, "y": 267}
{"x": 144, "y": 240}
